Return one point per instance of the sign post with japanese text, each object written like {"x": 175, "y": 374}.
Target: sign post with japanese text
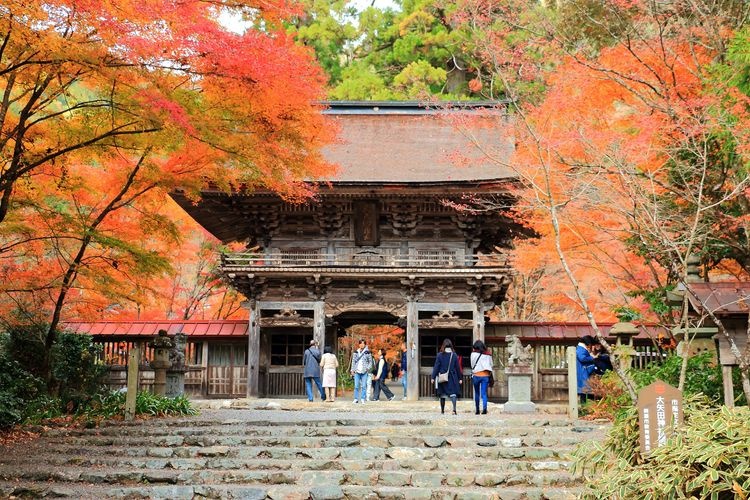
{"x": 659, "y": 411}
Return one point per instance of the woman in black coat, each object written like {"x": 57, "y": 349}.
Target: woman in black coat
{"x": 447, "y": 361}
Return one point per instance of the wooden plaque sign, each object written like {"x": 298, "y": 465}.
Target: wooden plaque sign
{"x": 659, "y": 411}
{"x": 366, "y": 229}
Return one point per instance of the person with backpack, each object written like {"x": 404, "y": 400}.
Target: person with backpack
{"x": 481, "y": 372}
{"x": 311, "y": 363}
{"x": 381, "y": 376}
{"x": 360, "y": 370}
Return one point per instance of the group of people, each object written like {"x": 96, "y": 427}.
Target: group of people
{"x": 591, "y": 359}
{"x": 371, "y": 372}
{"x": 447, "y": 375}
{"x": 313, "y": 364}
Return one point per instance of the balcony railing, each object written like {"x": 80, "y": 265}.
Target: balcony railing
{"x": 430, "y": 259}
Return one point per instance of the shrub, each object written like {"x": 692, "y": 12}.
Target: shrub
{"x": 707, "y": 457}
{"x": 17, "y": 388}
{"x": 112, "y": 404}
{"x": 703, "y": 376}
{"x": 76, "y": 369}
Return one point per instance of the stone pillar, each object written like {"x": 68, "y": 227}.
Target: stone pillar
{"x": 519, "y": 389}
{"x": 519, "y": 370}
{"x": 253, "y": 350}
{"x": 412, "y": 346}
{"x": 478, "y": 317}
{"x": 319, "y": 323}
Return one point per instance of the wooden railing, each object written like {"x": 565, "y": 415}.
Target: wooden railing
{"x": 549, "y": 379}
{"x": 423, "y": 259}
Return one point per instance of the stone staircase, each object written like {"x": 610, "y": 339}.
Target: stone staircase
{"x": 288, "y": 449}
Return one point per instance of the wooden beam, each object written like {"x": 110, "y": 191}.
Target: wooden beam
{"x": 134, "y": 359}
{"x": 253, "y": 351}
{"x": 726, "y": 376}
{"x": 412, "y": 345}
{"x": 478, "y": 317}
{"x": 319, "y": 323}
{"x": 298, "y": 306}
{"x": 570, "y": 355}
{"x": 441, "y": 306}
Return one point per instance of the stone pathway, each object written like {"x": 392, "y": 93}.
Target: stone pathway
{"x": 257, "y": 449}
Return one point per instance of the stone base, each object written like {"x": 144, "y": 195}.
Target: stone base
{"x": 519, "y": 407}
{"x": 175, "y": 385}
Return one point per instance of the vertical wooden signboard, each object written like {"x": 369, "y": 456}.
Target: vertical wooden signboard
{"x": 659, "y": 411}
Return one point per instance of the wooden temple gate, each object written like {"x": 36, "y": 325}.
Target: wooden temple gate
{"x": 382, "y": 239}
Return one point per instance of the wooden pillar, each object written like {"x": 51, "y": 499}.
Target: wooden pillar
{"x": 319, "y": 323}
{"x": 570, "y": 355}
{"x": 726, "y": 376}
{"x": 412, "y": 345}
{"x": 134, "y": 359}
{"x": 253, "y": 350}
{"x": 478, "y": 316}
{"x": 536, "y": 379}
{"x": 204, "y": 368}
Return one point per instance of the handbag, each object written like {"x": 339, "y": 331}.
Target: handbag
{"x": 443, "y": 377}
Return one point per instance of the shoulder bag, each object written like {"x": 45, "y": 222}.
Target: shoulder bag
{"x": 443, "y": 377}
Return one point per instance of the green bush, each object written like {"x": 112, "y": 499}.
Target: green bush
{"x": 76, "y": 370}
{"x": 703, "y": 375}
{"x": 112, "y": 404}
{"x": 17, "y": 388}
{"x": 707, "y": 457}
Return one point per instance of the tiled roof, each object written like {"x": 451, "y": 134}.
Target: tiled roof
{"x": 401, "y": 144}
{"x": 238, "y": 328}
{"x": 193, "y": 328}
{"x": 554, "y": 331}
{"x": 721, "y": 298}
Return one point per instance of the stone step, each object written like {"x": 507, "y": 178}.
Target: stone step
{"x": 323, "y": 492}
{"x": 301, "y": 454}
{"x": 283, "y": 453}
{"x": 378, "y": 441}
{"x": 230, "y": 428}
{"x": 425, "y": 479}
{"x": 340, "y": 430}
{"x": 416, "y": 464}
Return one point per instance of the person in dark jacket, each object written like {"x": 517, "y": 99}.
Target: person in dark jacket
{"x": 447, "y": 362}
{"x": 584, "y": 366}
{"x": 395, "y": 370}
{"x": 311, "y": 364}
{"x": 381, "y": 376}
{"x": 602, "y": 361}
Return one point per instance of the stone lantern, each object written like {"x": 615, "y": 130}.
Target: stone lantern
{"x": 624, "y": 331}
{"x": 162, "y": 344}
